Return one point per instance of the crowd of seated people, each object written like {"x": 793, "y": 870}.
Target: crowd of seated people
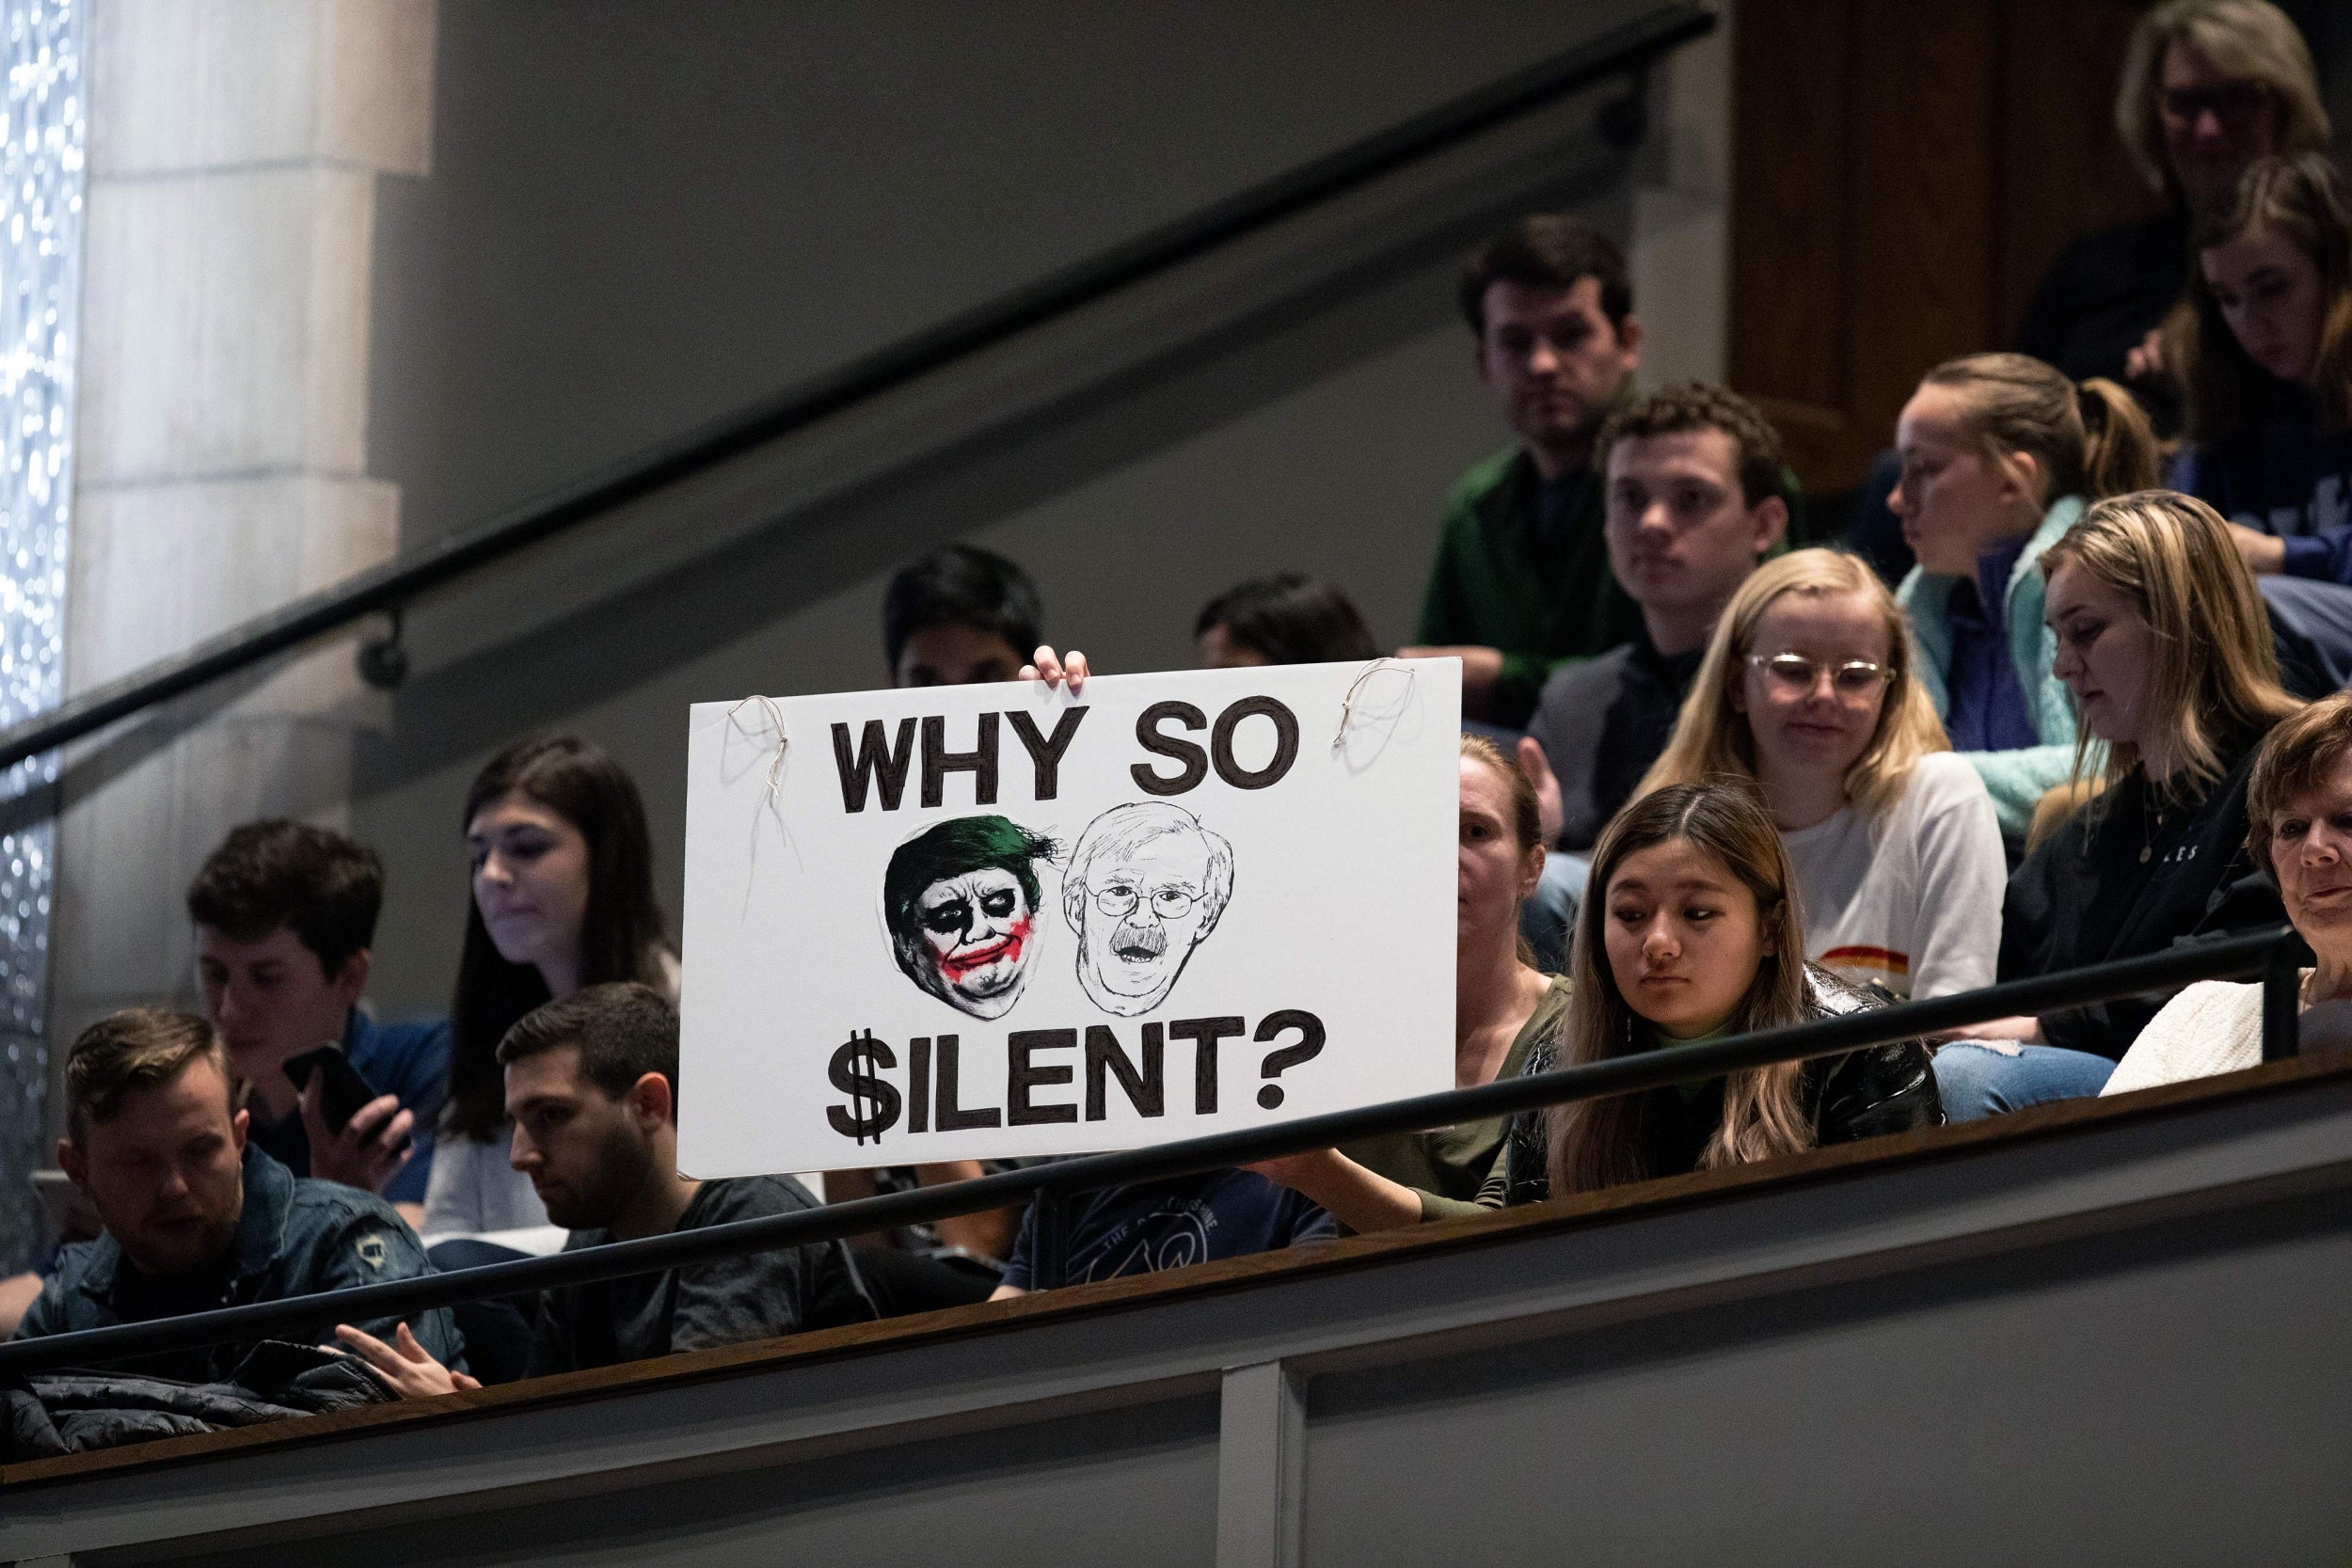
{"x": 1716, "y": 776}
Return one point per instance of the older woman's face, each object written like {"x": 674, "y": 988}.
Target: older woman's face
{"x": 2311, "y": 853}
{"x": 2215, "y": 126}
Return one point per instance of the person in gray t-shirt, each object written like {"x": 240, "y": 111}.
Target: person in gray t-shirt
{"x": 592, "y": 1089}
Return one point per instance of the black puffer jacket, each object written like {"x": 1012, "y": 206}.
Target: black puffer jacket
{"x": 49, "y": 1413}
{"x": 1881, "y": 1088}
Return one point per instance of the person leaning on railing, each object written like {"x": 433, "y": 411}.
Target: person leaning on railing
{"x": 591, "y": 1090}
{"x": 196, "y": 1216}
{"x": 2298, "y": 802}
{"x": 1502, "y": 1010}
{"x": 1694, "y": 932}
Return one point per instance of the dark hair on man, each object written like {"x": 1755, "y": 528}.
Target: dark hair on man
{"x": 135, "y": 1048}
{"x": 955, "y": 847}
{"x": 1290, "y": 619}
{"x": 963, "y": 585}
{"x": 1547, "y": 250}
{"x": 623, "y": 1030}
{"x": 319, "y": 884}
{"x": 621, "y": 936}
{"x": 1697, "y": 405}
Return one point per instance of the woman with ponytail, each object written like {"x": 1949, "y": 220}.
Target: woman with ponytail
{"x": 2000, "y": 455}
{"x": 1694, "y": 933}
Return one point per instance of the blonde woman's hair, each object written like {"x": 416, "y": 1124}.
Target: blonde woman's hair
{"x": 1712, "y": 738}
{"x": 2249, "y": 39}
{"x": 1596, "y": 1143}
{"x": 2216, "y": 672}
{"x": 2089, "y": 441}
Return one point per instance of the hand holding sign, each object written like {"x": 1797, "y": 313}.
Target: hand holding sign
{"x": 1043, "y": 919}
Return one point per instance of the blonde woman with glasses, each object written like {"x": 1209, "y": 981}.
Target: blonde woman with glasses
{"x": 1809, "y": 687}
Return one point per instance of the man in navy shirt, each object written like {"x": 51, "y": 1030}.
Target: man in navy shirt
{"x": 1167, "y": 1225}
{"x": 284, "y": 915}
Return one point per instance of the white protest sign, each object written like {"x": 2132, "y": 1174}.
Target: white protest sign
{"x": 988, "y": 921}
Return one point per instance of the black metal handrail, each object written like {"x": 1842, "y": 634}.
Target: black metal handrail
{"x": 2272, "y": 955}
{"x": 1625, "y": 50}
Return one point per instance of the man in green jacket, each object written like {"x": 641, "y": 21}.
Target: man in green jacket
{"x": 1522, "y": 581}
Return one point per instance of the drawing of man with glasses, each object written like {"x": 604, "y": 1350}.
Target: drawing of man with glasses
{"x": 1145, "y": 885}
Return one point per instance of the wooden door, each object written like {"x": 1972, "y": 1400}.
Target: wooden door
{"x": 1902, "y": 175}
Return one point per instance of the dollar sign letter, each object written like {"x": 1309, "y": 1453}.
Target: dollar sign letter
{"x": 855, "y": 1065}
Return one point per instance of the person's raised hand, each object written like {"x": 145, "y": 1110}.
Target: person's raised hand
{"x": 2262, "y": 552}
{"x": 407, "y": 1365}
{"x": 2145, "y": 362}
{"x": 368, "y": 1151}
{"x": 1045, "y": 666}
{"x": 1537, "y": 767}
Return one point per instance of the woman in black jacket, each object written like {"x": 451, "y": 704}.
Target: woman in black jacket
{"x": 2162, "y": 639}
{"x": 1691, "y": 933}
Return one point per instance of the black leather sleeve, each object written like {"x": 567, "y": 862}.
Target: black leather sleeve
{"x": 1885, "y": 1088}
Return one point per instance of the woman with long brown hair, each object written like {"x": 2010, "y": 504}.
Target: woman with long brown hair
{"x": 1694, "y": 931}
{"x": 562, "y": 898}
{"x": 2263, "y": 341}
{"x": 2163, "y": 642}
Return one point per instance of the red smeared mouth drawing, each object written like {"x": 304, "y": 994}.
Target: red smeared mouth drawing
{"x": 955, "y": 966}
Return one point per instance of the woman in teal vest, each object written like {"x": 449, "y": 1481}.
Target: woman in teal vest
{"x": 2000, "y": 456}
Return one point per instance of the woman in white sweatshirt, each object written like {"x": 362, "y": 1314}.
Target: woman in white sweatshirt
{"x": 1809, "y": 687}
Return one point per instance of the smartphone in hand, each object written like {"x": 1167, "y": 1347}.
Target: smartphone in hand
{"x": 346, "y": 1088}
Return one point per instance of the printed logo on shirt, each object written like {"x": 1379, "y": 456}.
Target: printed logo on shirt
{"x": 1184, "y": 1239}
{"x": 371, "y": 1250}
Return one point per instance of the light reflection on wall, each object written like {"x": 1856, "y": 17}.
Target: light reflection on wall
{"x": 40, "y": 257}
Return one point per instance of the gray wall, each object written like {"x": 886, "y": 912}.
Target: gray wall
{"x": 640, "y": 218}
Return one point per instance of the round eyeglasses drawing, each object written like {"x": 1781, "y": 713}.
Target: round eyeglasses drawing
{"x": 960, "y": 901}
{"x": 1145, "y": 886}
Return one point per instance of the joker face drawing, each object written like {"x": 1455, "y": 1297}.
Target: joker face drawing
{"x": 960, "y": 901}
{"x": 1145, "y": 887}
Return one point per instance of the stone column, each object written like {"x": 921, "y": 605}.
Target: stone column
{"x": 235, "y": 147}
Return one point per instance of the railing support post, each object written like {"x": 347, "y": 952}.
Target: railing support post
{"x": 2282, "y": 996}
{"x": 1049, "y": 1239}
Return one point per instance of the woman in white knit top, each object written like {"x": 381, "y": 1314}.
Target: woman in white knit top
{"x": 1809, "y": 688}
{"x": 2299, "y": 801}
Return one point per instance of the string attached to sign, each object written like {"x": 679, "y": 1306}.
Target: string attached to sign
{"x": 1356, "y": 690}
{"x": 770, "y": 804}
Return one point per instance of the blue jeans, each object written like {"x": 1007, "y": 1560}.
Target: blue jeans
{"x": 1549, "y": 913}
{"x": 1975, "y": 1080}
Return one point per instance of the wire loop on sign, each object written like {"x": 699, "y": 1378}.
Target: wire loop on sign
{"x": 768, "y": 806}
{"x": 1355, "y": 687}
{"x": 775, "y": 764}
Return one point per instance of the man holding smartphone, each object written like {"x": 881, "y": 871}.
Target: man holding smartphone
{"x": 592, "y": 1088}
{"x": 194, "y": 1215}
{"x": 284, "y": 915}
